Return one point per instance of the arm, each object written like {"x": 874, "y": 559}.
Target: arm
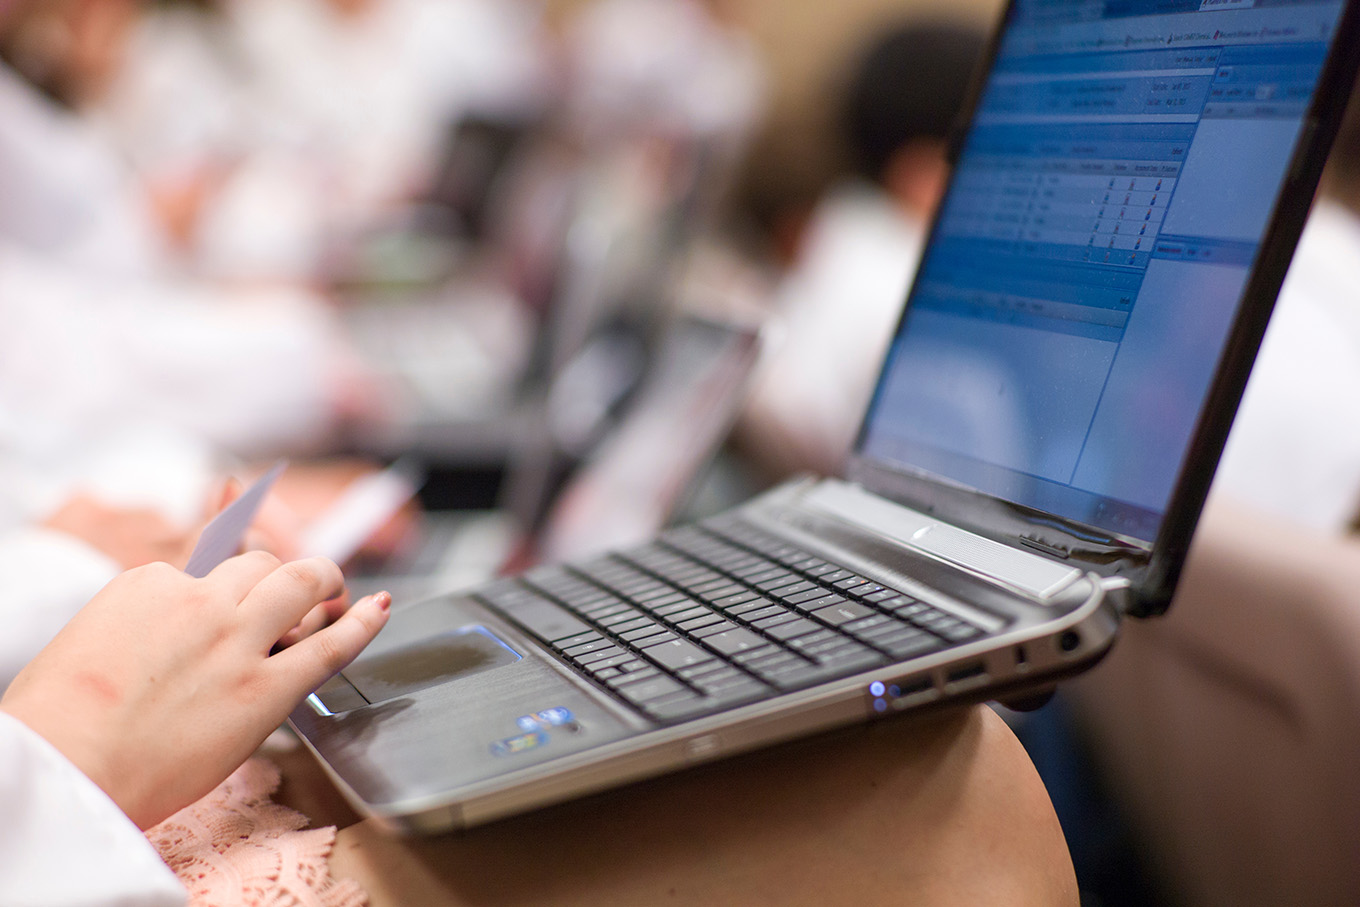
{"x": 63, "y": 842}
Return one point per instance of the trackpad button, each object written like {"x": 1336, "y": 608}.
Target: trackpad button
{"x": 429, "y": 662}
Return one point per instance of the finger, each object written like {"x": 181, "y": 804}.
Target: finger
{"x": 229, "y": 491}
{"x": 282, "y": 598}
{"x": 310, "y": 623}
{"x": 238, "y": 575}
{"x": 312, "y": 661}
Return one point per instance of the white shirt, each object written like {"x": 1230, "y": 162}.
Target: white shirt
{"x": 836, "y": 308}
{"x": 82, "y": 355}
{"x": 1295, "y": 446}
{"x": 326, "y": 123}
{"x": 66, "y": 196}
{"x": 63, "y": 842}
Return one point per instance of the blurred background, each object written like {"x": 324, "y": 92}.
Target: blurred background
{"x": 510, "y": 281}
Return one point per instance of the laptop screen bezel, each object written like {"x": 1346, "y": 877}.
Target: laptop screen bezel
{"x": 1153, "y": 570}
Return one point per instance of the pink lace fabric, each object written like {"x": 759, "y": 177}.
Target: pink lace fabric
{"x": 237, "y": 848}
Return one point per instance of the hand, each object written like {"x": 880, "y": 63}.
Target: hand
{"x": 164, "y": 684}
{"x": 131, "y": 537}
{"x": 306, "y": 491}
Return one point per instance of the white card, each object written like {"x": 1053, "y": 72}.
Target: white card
{"x": 222, "y": 537}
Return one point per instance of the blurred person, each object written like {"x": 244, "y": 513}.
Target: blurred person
{"x": 67, "y": 194}
{"x": 1294, "y": 450}
{"x": 288, "y": 126}
{"x": 86, "y": 269}
{"x": 856, "y": 250}
{"x": 681, "y": 68}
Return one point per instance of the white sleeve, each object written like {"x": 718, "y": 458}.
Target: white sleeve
{"x": 45, "y": 577}
{"x": 248, "y": 371}
{"x": 63, "y": 842}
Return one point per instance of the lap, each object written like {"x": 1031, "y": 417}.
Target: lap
{"x": 944, "y": 810}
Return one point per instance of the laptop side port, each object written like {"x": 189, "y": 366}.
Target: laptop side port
{"x": 966, "y": 676}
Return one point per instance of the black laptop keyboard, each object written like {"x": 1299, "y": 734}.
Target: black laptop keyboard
{"x": 710, "y": 617}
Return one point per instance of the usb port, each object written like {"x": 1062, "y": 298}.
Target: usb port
{"x": 965, "y": 673}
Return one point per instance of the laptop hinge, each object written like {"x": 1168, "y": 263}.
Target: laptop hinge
{"x": 1030, "y": 573}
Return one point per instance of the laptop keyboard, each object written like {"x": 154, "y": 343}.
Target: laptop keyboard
{"x": 713, "y": 616}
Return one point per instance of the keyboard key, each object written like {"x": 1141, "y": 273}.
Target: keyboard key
{"x": 910, "y": 646}
{"x": 634, "y": 677}
{"x": 642, "y": 691}
{"x": 842, "y": 613}
{"x": 676, "y": 707}
{"x": 732, "y": 601}
{"x": 800, "y": 597}
{"x": 698, "y": 674}
{"x": 684, "y": 604}
{"x": 864, "y": 625}
{"x": 716, "y": 675}
{"x": 784, "y": 593}
{"x": 734, "y": 641}
{"x": 799, "y": 627}
{"x": 635, "y": 624}
{"x": 817, "y": 604}
{"x": 843, "y": 650}
{"x": 803, "y": 642}
{"x": 588, "y": 647}
{"x": 608, "y": 663}
{"x": 577, "y": 640}
{"x": 652, "y": 628}
{"x": 775, "y": 620}
{"x": 724, "y": 591}
{"x": 850, "y": 660}
{"x": 721, "y": 626}
{"x": 697, "y": 623}
{"x": 758, "y": 614}
{"x": 680, "y": 653}
{"x": 961, "y": 633}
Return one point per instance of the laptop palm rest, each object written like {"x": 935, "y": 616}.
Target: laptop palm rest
{"x": 427, "y": 662}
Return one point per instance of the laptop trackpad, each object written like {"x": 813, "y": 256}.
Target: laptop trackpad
{"x": 429, "y": 662}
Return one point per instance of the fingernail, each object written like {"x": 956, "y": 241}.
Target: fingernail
{"x": 383, "y": 600}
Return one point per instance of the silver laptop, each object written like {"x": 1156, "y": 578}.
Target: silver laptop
{"x": 1127, "y": 193}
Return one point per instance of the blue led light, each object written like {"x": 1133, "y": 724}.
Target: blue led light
{"x": 876, "y": 688}
{"x": 556, "y": 716}
{"x": 880, "y": 705}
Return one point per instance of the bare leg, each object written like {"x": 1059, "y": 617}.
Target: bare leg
{"x": 943, "y": 811}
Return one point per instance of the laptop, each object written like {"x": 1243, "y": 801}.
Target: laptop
{"x": 1127, "y": 193}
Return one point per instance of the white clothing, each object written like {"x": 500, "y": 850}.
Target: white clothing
{"x": 49, "y": 576}
{"x": 66, "y": 196}
{"x": 837, "y": 308}
{"x": 326, "y": 123}
{"x": 63, "y": 842}
{"x": 82, "y": 357}
{"x": 663, "y": 65}
{"x": 1294, "y": 451}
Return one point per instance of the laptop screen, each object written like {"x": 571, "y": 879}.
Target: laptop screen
{"x": 1090, "y": 255}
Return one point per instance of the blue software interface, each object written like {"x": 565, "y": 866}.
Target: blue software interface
{"x": 1091, "y": 253}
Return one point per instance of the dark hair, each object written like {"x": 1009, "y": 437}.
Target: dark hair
{"x": 909, "y": 84}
